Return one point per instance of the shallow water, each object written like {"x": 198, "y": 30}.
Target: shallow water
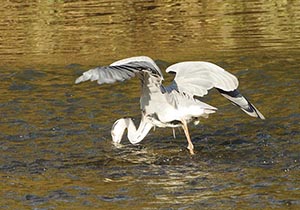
{"x": 56, "y": 150}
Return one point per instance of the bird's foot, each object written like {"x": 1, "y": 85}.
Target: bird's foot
{"x": 191, "y": 149}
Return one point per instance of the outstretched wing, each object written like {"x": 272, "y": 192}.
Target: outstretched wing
{"x": 121, "y": 70}
{"x": 196, "y": 78}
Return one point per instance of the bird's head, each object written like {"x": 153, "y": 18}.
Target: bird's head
{"x": 118, "y": 129}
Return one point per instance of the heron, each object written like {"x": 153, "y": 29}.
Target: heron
{"x": 175, "y": 105}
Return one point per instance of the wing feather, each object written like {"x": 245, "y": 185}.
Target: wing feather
{"x": 197, "y": 77}
{"x": 121, "y": 70}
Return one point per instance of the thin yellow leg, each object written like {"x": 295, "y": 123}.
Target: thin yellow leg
{"x": 186, "y": 132}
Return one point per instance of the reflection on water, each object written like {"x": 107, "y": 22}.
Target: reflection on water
{"x": 55, "y": 148}
{"x": 58, "y": 32}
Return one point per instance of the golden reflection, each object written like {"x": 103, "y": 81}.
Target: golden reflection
{"x": 89, "y": 32}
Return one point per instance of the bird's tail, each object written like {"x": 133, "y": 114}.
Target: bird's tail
{"x": 239, "y": 100}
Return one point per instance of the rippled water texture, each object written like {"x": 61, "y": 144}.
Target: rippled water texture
{"x": 55, "y": 144}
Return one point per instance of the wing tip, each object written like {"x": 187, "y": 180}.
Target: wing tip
{"x": 260, "y": 115}
{"x": 88, "y": 75}
{"x": 78, "y": 80}
{"x": 253, "y": 112}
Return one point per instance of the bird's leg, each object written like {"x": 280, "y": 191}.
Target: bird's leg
{"x": 174, "y": 134}
{"x": 186, "y": 132}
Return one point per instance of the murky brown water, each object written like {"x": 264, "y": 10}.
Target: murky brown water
{"x": 55, "y": 144}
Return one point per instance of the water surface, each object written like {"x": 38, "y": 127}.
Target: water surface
{"x": 55, "y": 143}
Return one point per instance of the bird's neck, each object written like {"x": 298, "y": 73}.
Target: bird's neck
{"x": 134, "y": 135}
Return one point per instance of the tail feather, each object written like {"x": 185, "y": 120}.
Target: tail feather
{"x": 239, "y": 100}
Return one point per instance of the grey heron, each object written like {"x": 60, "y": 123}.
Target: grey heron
{"x": 174, "y": 105}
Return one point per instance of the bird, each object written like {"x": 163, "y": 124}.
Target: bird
{"x": 174, "y": 105}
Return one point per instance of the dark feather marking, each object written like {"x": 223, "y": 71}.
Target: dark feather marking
{"x": 235, "y": 93}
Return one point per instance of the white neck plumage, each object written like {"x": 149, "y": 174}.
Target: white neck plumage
{"x": 134, "y": 135}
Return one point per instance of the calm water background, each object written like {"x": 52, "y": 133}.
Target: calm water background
{"x": 55, "y": 144}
